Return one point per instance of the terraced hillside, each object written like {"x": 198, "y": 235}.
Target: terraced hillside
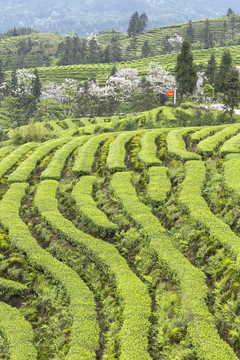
{"x": 121, "y": 245}
{"x": 101, "y": 72}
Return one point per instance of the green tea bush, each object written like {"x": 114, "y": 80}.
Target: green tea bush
{"x": 87, "y": 207}
{"x": 132, "y": 293}
{"x": 84, "y": 331}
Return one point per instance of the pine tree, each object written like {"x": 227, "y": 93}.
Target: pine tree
{"x": 132, "y": 24}
{"x": 116, "y": 49}
{"x": 36, "y": 88}
{"x": 137, "y": 24}
{"x": 146, "y": 49}
{"x": 232, "y": 98}
{"x": 222, "y": 74}
{"x": 186, "y": 73}
{"x": 143, "y": 21}
{"x": 190, "y": 32}
{"x": 211, "y": 69}
{"x": 207, "y": 35}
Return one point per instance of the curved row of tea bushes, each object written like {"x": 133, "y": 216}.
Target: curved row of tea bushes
{"x": 84, "y": 331}
{"x": 86, "y": 155}
{"x": 191, "y": 199}
{"x": 117, "y": 152}
{"x": 24, "y": 170}
{"x": 200, "y": 323}
{"x": 231, "y": 146}
{"x": 207, "y": 146}
{"x": 148, "y": 151}
{"x": 55, "y": 167}
{"x": 9, "y": 287}
{"x": 57, "y": 129}
{"x": 18, "y": 333}
{"x": 159, "y": 186}
{"x": 205, "y": 132}
{"x": 87, "y": 207}
{"x": 70, "y": 124}
{"x": 231, "y": 176}
{"x": 9, "y": 161}
{"x": 177, "y": 147}
{"x": 133, "y": 295}
{"x": 6, "y": 150}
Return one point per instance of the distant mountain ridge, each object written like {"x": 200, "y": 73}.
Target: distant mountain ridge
{"x": 90, "y": 16}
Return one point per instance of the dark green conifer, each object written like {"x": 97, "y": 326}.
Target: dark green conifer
{"x": 186, "y": 73}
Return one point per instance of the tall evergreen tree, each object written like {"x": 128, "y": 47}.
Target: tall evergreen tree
{"x": 137, "y": 24}
{"x": 190, "y": 31}
{"x": 146, "y": 49}
{"x": 222, "y": 74}
{"x": 36, "y": 88}
{"x": 211, "y": 69}
{"x": 207, "y": 35}
{"x": 116, "y": 49}
{"x": 232, "y": 97}
{"x": 186, "y": 73}
{"x": 132, "y": 24}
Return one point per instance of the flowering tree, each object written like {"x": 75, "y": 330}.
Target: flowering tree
{"x": 161, "y": 80}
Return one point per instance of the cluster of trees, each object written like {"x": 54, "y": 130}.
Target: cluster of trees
{"x": 223, "y": 81}
{"x": 20, "y": 95}
{"x": 25, "y": 98}
{"x": 137, "y": 24}
{"x": 75, "y": 50}
{"x": 210, "y": 37}
{"x": 21, "y": 31}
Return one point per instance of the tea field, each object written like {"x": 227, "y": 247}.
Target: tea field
{"x": 121, "y": 244}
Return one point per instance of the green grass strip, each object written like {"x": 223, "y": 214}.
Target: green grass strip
{"x": 207, "y": 146}
{"x": 231, "y": 146}
{"x": 70, "y": 124}
{"x": 24, "y": 170}
{"x": 87, "y": 207}
{"x": 191, "y": 199}
{"x": 6, "y": 150}
{"x": 205, "y": 132}
{"x": 231, "y": 176}
{"x": 84, "y": 331}
{"x": 117, "y": 151}
{"x": 132, "y": 292}
{"x": 148, "y": 152}
{"x": 9, "y": 161}
{"x": 54, "y": 169}
{"x": 86, "y": 155}
{"x": 177, "y": 147}
{"x": 159, "y": 186}
{"x": 9, "y": 287}
{"x": 18, "y": 333}
{"x": 201, "y": 329}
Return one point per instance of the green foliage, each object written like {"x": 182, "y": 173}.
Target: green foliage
{"x": 23, "y": 172}
{"x": 86, "y": 155}
{"x": 207, "y": 146}
{"x": 55, "y": 168}
{"x": 177, "y": 147}
{"x": 18, "y": 332}
{"x": 84, "y": 330}
{"x": 132, "y": 292}
{"x": 87, "y": 207}
{"x": 9, "y": 161}
{"x": 186, "y": 75}
{"x": 201, "y": 329}
{"x": 159, "y": 186}
{"x": 148, "y": 151}
{"x": 117, "y": 152}
{"x": 190, "y": 197}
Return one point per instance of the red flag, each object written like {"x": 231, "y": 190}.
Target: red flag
{"x": 170, "y": 93}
